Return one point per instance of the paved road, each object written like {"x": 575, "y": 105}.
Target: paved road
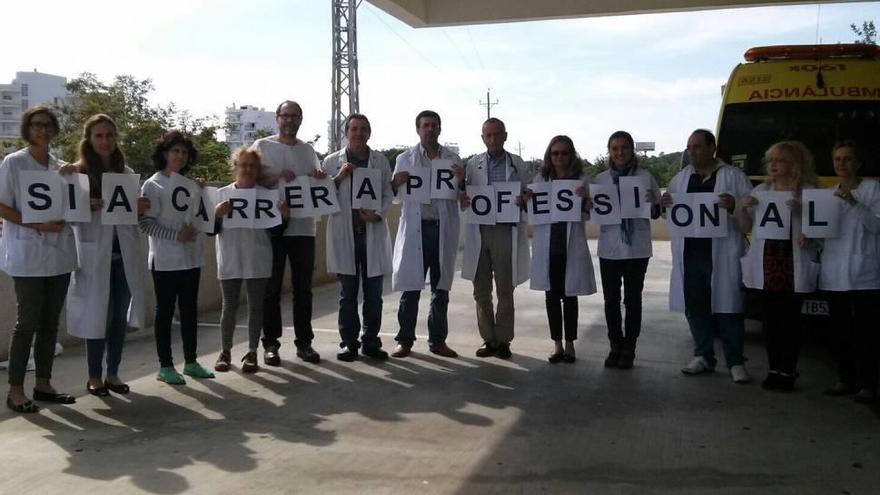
{"x": 434, "y": 425}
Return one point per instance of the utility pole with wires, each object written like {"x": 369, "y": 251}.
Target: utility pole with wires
{"x": 488, "y": 104}
{"x": 345, "y": 68}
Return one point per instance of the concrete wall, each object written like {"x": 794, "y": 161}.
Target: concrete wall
{"x": 209, "y": 289}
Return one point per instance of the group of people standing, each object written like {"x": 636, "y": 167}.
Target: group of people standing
{"x": 106, "y": 295}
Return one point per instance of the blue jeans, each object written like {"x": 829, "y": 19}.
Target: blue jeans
{"x": 349, "y": 322}
{"x": 408, "y": 312}
{"x": 117, "y": 321}
{"x": 704, "y": 324}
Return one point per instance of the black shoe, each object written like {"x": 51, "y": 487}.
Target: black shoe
{"x": 612, "y": 359}
{"x": 117, "y": 388}
{"x": 486, "y": 350}
{"x": 271, "y": 357}
{"x": 54, "y": 397}
{"x": 308, "y": 355}
{"x": 556, "y": 357}
{"x": 348, "y": 355}
{"x": 97, "y": 391}
{"x": 375, "y": 353}
{"x": 249, "y": 363}
{"x": 626, "y": 359}
{"x": 503, "y": 351}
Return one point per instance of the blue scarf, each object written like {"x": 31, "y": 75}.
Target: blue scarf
{"x": 627, "y": 224}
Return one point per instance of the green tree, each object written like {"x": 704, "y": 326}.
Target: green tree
{"x": 140, "y": 123}
{"x": 263, "y": 132}
{"x": 867, "y": 34}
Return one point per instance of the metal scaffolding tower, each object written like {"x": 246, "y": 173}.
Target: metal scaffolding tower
{"x": 345, "y": 68}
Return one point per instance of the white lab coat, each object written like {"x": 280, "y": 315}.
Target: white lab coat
{"x": 726, "y": 283}
{"x": 611, "y": 245}
{"x": 806, "y": 266}
{"x": 409, "y": 272}
{"x": 580, "y": 279}
{"x": 340, "y": 234}
{"x": 169, "y": 254}
{"x": 476, "y": 174}
{"x": 852, "y": 260}
{"x": 242, "y": 253}
{"x": 89, "y": 291}
{"x": 28, "y": 253}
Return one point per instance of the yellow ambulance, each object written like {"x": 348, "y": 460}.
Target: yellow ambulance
{"x": 816, "y": 94}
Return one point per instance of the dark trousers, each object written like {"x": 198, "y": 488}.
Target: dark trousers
{"x": 562, "y": 310}
{"x": 854, "y": 316}
{"x": 632, "y": 273}
{"x": 117, "y": 322}
{"x": 782, "y": 329}
{"x": 39, "y": 301}
{"x": 349, "y": 322}
{"x": 704, "y": 324}
{"x": 181, "y": 288}
{"x": 408, "y": 311}
{"x": 300, "y": 251}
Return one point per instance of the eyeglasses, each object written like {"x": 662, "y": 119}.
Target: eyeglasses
{"x": 559, "y": 153}
{"x": 42, "y": 126}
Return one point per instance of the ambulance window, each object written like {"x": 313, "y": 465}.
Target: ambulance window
{"x": 748, "y": 129}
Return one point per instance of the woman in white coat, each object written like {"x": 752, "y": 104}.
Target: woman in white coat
{"x": 39, "y": 257}
{"x": 850, "y": 275}
{"x": 624, "y": 251}
{"x": 107, "y": 292}
{"x": 358, "y": 243}
{"x": 781, "y": 269}
{"x": 706, "y": 280}
{"x": 175, "y": 258}
{"x": 244, "y": 257}
{"x": 561, "y": 265}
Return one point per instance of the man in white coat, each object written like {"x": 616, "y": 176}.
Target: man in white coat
{"x": 427, "y": 241}
{"x": 358, "y": 244}
{"x": 284, "y": 158}
{"x": 706, "y": 281}
{"x": 497, "y": 252}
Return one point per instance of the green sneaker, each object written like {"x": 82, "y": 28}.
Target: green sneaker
{"x": 170, "y": 376}
{"x": 195, "y": 369}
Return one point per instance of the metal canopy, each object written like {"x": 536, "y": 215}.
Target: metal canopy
{"x": 432, "y": 13}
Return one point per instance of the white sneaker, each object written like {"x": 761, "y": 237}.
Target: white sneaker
{"x": 739, "y": 374}
{"x": 697, "y": 366}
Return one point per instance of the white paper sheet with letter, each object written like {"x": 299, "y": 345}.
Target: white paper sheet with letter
{"x": 120, "y": 193}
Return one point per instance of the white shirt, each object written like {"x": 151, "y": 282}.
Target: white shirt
{"x": 29, "y": 253}
{"x": 611, "y": 245}
{"x": 299, "y": 158}
{"x": 243, "y": 253}
{"x": 169, "y": 254}
{"x": 851, "y": 261}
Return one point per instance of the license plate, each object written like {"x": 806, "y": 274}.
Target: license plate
{"x": 815, "y": 307}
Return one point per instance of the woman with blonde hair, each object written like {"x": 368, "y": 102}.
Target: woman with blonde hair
{"x": 244, "y": 257}
{"x": 782, "y": 270}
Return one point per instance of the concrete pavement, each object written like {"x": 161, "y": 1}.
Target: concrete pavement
{"x": 433, "y": 425}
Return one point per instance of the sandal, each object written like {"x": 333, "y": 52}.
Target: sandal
{"x": 54, "y": 397}
{"x": 27, "y": 407}
{"x": 117, "y": 388}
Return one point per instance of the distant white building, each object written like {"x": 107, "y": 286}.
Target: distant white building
{"x": 26, "y": 90}
{"x": 242, "y": 122}
{"x": 453, "y": 147}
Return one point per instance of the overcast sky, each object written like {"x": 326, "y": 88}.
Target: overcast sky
{"x": 658, "y": 76}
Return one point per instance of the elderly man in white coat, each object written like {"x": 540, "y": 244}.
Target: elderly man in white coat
{"x": 358, "y": 244}
{"x": 706, "y": 281}
{"x": 427, "y": 241}
{"x": 497, "y": 252}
